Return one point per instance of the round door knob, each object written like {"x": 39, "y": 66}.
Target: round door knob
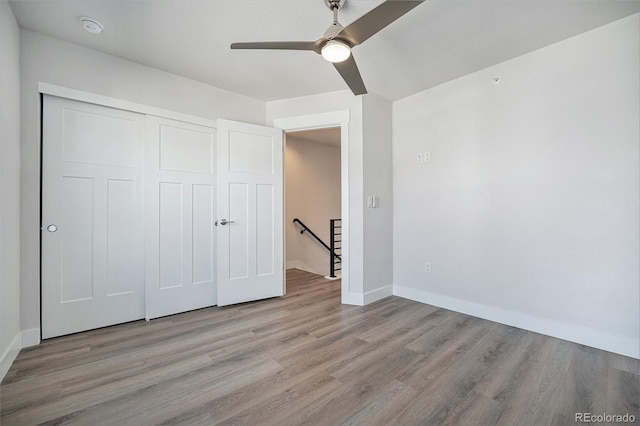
{"x": 52, "y": 228}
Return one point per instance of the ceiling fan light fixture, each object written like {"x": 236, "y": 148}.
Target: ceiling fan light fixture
{"x": 336, "y": 51}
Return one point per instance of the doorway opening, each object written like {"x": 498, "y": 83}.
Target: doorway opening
{"x": 313, "y": 201}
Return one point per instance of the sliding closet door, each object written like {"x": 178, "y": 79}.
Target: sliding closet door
{"x": 92, "y": 216}
{"x": 181, "y": 203}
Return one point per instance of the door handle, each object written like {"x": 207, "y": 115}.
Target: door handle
{"x": 225, "y": 221}
{"x": 52, "y": 228}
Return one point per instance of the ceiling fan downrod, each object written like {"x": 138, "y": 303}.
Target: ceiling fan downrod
{"x": 335, "y": 27}
{"x": 334, "y": 6}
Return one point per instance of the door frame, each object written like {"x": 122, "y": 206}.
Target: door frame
{"x": 322, "y": 121}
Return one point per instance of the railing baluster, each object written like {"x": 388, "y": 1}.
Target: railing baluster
{"x": 336, "y": 237}
{"x": 332, "y": 241}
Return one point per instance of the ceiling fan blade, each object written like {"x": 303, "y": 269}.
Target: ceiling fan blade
{"x": 351, "y": 75}
{"x": 280, "y": 45}
{"x": 375, "y": 20}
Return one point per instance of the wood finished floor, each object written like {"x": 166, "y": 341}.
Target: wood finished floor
{"x": 306, "y": 359}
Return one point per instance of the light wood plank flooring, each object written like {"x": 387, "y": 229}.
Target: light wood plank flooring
{"x": 306, "y": 359}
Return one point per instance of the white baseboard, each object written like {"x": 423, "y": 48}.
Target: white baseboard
{"x": 10, "y": 354}
{"x": 30, "y": 337}
{"x": 21, "y": 340}
{"x": 586, "y": 336}
{"x": 356, "y": 299}
{"x": 299, "y": 264}
{"x": 361, "y": 299}
{"x": 378, "y": 294}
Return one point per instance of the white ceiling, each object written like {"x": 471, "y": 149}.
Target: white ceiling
{"x": 436, "y": 42}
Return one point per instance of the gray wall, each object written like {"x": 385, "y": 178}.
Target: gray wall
{"x": 529, "y": 208}
{"x": 48, "y": 60}
{"x": 9, "y": 185}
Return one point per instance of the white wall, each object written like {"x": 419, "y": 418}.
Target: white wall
{"x": 48, "y": 60}
{"x": 529, "y": 208}
{"x": 378, "y": 172}
{"x": 312, "y": 171}
{"x": 10, "y": 338}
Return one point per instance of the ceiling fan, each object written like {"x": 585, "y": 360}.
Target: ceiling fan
{"x": 336, "y": 43}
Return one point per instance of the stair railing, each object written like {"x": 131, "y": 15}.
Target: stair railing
{"x": 335, "y": 258}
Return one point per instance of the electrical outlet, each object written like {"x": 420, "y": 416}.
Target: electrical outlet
{"x": 426, "y": 157}
{"x": 427, "y": 267}
{"x": 419, "y": 158}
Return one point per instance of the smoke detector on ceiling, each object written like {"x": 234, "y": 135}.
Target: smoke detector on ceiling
{"x": 91, "y": 25}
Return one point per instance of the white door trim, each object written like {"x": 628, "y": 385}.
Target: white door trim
{"x": 319, "y": 121}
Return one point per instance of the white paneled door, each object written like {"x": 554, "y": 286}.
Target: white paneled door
{"x": 92, "y": 217}
{"x": 250, "y": 212}
{"x": 180, "y": 207}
